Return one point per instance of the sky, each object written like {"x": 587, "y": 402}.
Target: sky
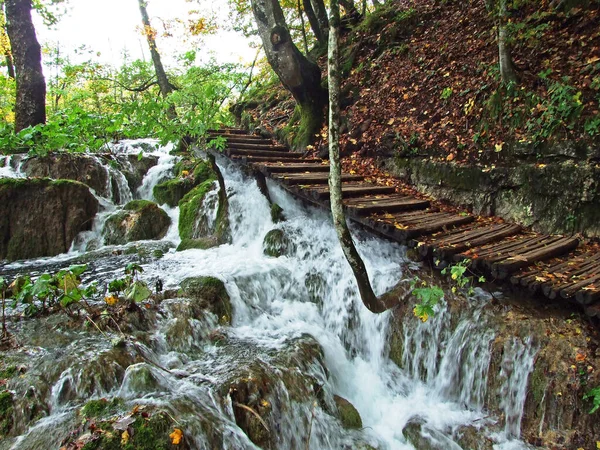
{"x": 108, "y": 27}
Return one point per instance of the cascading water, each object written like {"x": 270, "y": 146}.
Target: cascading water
{"x": 280, "y": 304}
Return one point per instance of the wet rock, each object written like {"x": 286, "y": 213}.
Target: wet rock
{"x": 139, "y": 220}
{"x": 134, "y": 168}
{"x": 194, "y": 220}
{"x": 348, "y": 414}
{"x": 189, "y": 327}
{"x": 473, "y": 438}
{"x": 102, "y": 407}
{"x": 277, "y": 243}
{"x": 210, "y": 294}
{"x": 200, "y": 243}
{"x": 6, "y": 413}
{"x": 141, "y": 379}
{"x": 277, "y": 214}
{"x": 70, "y": 166}
{"x": 189, "y": 174}
{"x": 315, "y": 285}
{"x": 41, "y": 217}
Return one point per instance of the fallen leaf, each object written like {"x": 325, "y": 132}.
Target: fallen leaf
{"x": 124, "y": 437}
{"x": 176, "y": 436}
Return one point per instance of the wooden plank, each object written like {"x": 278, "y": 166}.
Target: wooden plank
{"x": 476, "y": 239}
{"x": 266, "y": 147}
{"x": 389, "y": 204}
{"x": 571, "y": 291}
{"x": 268, "y": 153}
{"x": 262, "y": 159}
{"x": 427, "y": 227}
{"x": 561, "y": 281}
{"x": 317, "y": 178}
{"x": 516, "y": 252}
{"x": 226, "y": 131}
{"x": 270, "y": 168}
{"x": 350, "y": 190}
{"x": 563, "y": 245}
{"x": 486, "y": 250}
{"x": 587, "y": 296}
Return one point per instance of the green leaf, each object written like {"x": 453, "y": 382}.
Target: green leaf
{"x": 78, "y": 270}
{"x": 138, "y": 292}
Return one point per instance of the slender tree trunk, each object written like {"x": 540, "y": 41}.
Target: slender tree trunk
{"x": 303, "y": 25}
{"x": 30, "y": 105}
{"x": 163, "y": 81}
{"x": 370, "y": 300}
{"x": 351, "y": 11}
{"x": 299, "y": 75}
{"x": 507, "y": 68}
{"x": 317, "y": 17}
{"x": 10, "y": 65}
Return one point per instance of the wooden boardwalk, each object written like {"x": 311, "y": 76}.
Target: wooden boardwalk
{"x": 551, "y": 265}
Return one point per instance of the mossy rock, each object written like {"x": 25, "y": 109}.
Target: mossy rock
{"x": 6, "y": 413}
{"x": 211, "y": 294}
{"x": 347, "y": 413}
{"x": 139, "y": 220}
{"x": 200, "y": 243}
{"x": 277, "y": 214}
{"x": 192, "y": 225}
{"x": 277, "y": 243}
{"x": 42, "y": 217}
{"x": 172, "y": 191}
{"x": 101, "y": 408}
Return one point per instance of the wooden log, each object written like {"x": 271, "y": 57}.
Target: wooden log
{"x": 571, "y": 291}
{"x": 516, "y": 253}
{"x": 363, "y": 206}
{"x": 552, "y": 289}
{"x": 569, "y": 264}
{"x": 227, "y": 131}
{"x": 317, "y": 178}
{"x": 262, "y": 159}
{"x": 485, "y": 251}
{"x": 593, "y": 310}
{"x": 270, "y": 168}
{"x": 430, "y": 227}
{"x": 587, "y": 296}
{"x": 563, "y": 245}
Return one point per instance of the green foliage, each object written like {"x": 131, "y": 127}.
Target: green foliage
{"x": 130, "y": 286}
{"x": 218, "y": 143}
{"x": 458, "y": 274}
{"x": 427, "y": 296}
{"x": 594, "y": 396}
{"x": 446, "y": 93}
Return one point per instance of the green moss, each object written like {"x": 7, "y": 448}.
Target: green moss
{"x": 9, "y": 372}
{"x": 138, "y": 205}
{"x": 172, "y": 191}
{"x": 211, "y": 293}
{"x": 101, "y": 408}
{"x": 6, "y": 412}
{"x": 277, "y": 243}
{"x": 277, "y": 213}
{"x": 189, "y": 206}
{"x": 348, "y": 414}
{"x": 200, "y": 243}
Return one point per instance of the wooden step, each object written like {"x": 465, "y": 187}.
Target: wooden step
{"x": 310, "y": 178}
{"x": 269, "y": 159}
{"x": 349, "y": 190}
{"x": 227, "y": 131}
{"x": 270, "y": 168}
{"x": 265, "y": 147}
{"x": 268, "y": 153}
{"x": 367, "y": 205}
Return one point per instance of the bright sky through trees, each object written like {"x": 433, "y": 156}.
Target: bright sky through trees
{"x": 109, "y": 27}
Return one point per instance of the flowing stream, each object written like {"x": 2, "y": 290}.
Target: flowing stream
{"x": 307, "y": 296}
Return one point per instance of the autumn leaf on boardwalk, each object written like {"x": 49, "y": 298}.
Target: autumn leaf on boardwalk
{"x": 176, "y": 436}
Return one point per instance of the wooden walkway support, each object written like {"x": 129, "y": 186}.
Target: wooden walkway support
{"x": 553, "y": 266}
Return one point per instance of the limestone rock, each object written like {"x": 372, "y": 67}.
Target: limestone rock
{"x": 210, "y": 293}
{"x": 41, "y": 217}
{"x": 348, "y": 414}
{"x": 139, "y": 220}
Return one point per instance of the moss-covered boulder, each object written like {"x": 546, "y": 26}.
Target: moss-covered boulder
{"x": 70, "y": 166}
{"x": 210, "y": 293}
{"x": 277, "y": 243}
{"x": 139, "y": 220}
{"x": 41, "y": 217}
{"x": 194, "y": 221}
{"x": 347, "y": 413}
{"x": 189, "y": 174}
{"x": 198, "y": 244}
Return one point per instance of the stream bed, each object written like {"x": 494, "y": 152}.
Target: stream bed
{"x": 299, "y": 347}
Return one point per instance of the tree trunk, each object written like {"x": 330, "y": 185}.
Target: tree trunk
{"x": 370, "y": 300}
{"x": 163, "y": 81}
{"x": 317, "y": 17}
{"x": 352, "y": 13}
{"x": 299, "y": 75}
{"x": 507, "y": 68}
{"x": 303, "y": 25}
{"x": 10, "y": 65}
{"x": 30, "y": 105}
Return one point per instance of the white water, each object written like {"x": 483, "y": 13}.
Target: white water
{"x": 443, "y": 380}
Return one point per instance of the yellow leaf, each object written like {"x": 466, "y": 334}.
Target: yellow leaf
{"x": 598, "y": 444}
{"x": 591, "y": 61}
{"x": 185, "y": 173}
{"x": 540, "y": 279}
{"x": 391, "y": 121}
{"x": 124, "y": 438}
{"x": 111, "y": 300}
{"x": 498, "y": 147}
{"x": 176, "y": 436}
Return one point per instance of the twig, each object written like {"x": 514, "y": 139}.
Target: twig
{"x": 87, "y": 316}
{"x": 247, "y": 408}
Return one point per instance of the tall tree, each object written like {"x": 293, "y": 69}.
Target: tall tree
{"x": 370, "y": 300}
{"x": 299, "y": 75}
{"x": 30, "y": 106}
{"x": 163, "y": 81}
{"x": 317, "y": 17}
{"x": 507, "y": 68}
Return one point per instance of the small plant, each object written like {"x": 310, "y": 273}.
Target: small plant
{"x": 132, "y": 288}
{"x": 428, "y": 296}
{"x": 458, "y": 275}
{"x": 593, "y": 395}
{"x": 218, "y": 143}
{"x": 446, "y": 93}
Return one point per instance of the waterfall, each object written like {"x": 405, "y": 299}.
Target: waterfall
{"x": 307, "y": 295}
